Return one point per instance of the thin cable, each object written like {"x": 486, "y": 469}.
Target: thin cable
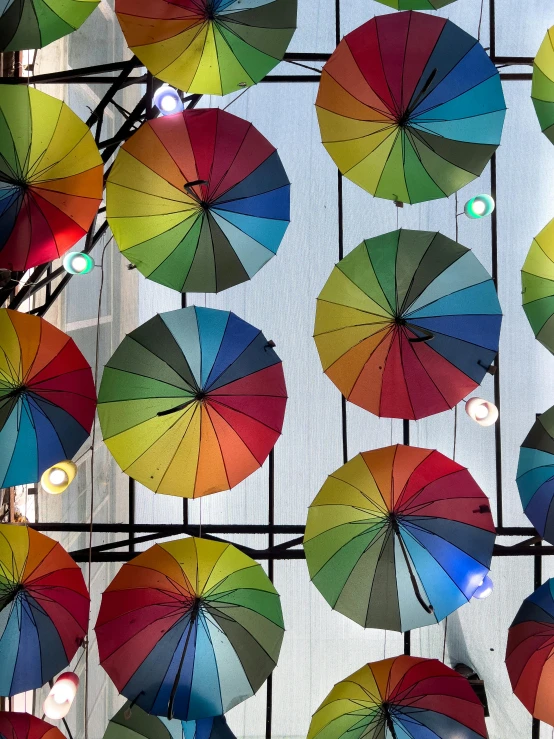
{"x": 385, "y": 646}
{"x": 455, "y": 432}
{"x": 391, "y": 432}
{"x": 200, "y": 518}
{"x": 480, "y": 21}
{"x": 234, "y": 100}
{"x": 299, "y": 64}
{"x": 444, "y": 642}
{"x": 92, "y": 473}
{"x": 456, "y": 214}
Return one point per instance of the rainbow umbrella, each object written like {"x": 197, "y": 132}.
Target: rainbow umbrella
{"x": 416, "y": 4}
{"x": 192, "y": 402}
{"x": 410, "y": 107}
{"x": 198, "y": 201}
{"x": 47, "y": 397}
{"x": 44, "y": 609}
{"x": 134, "y": 723}
{"x": 542, "y": 89}
{"x": 535, "y": 475}
{"x": 32, "y": 24}
{"x": 537, "y": 280}
{"x": 399, "y": 538}
{"x": 51, "y": 177}
{"x": 401, "y": 698}
{"x": 408, "y": 324}
{"x": 25, "y": 726}
{"x": 189, "y": 629}
{"x": 530, "y": 653}
{"x": 210, "y": 47}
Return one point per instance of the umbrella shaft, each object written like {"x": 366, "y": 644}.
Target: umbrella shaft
{"x": 193, "y": 617}
{"x": 390, "y": 724}
{"x": 428, "y": 608}
{"x": 177, "y": 408}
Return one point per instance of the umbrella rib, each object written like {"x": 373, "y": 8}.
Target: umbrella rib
{"x": 431, "y": 482}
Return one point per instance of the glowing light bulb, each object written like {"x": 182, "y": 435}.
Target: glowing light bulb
{"x": 61, "y": 696}
{"x": 485, "y": 589}
{"x": 479, "y": 206}
{"x": 78, "y": 263}
{"x": 58, "y": 478}
{"x": 168, "y": 101}
{"x": 482, "y": 411}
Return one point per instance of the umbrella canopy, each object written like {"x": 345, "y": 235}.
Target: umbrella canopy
{"x": 542, "y": 89}
{"x": 32, "y": 24}
{"x": 47, "y": 397}
{"x": 135, "y": 723}
{"x": 401, "y": 698}
{"x": 530, "y": 653}
{"x": 535, "y": 475}
{"x": 192, "y": 402}
{"x": 209, "y": 47}
{"x": 25, "y": 726}
{"x": 408, "y": 324}
{"x": 537, "y": 280}
{"x": 44, "y": 609}
{"x": 410, "y": 107}
{"x": 189, "y": 629}
{"x": 399, "y": 538}
{"x": 51, "y": 177}
{"x": 198, "y": 201}
{"x": 416, "y": 4}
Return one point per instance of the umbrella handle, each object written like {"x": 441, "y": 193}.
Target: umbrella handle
{"x": 174, "y": 410}
{"x": 189, "y": 185}
{"x": 427, "y": 335}
{"x": 390, "y": 724}
{"x": 193, "y": 616}
{"x": 428, "y": 607}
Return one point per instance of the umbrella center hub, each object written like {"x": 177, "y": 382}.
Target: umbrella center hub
{"x": 399, "y": 321}
{"x": 210, "y": 12}
{"x": 200, "y": 396}
{"x": 204, "y": 204}
{"x": 403, "y": 119}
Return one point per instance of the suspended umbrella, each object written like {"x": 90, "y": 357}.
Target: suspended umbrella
{"x": 416, "y": 4}
{"x": 401, "y": 698}
{"x": 192, "y": 402}
{"x": 529, "y": 653}
{"x": 537, "y": 279}
{"x": 210, "y": 47}
{"x": 51, "y": 176}
{"x": 535, "y": 475}
{"x": 407, "y": 324}
{"x": 542, "y": 89}
{"x": 399, "y": 538}
{"x": 198, "y": 201}
{"x": 47, "y": 397}
{"x": 32, "y": 24}
{"x": 134, "y": 723}
{"x": 25, "y": 726}
{"x": 410, "y": 107}
{"x": 44, "y": 609}
{"x": 189, "y": 629}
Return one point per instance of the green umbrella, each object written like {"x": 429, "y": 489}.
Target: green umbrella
{"x": 542, "y": 90}
{"x": 537, "y": 280}
{"x": 32, "y": 24}
{"x": 131, "y": 722}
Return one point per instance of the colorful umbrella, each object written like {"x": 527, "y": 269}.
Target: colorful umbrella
{"x": 134, "y": 723}
{"x": 410, "y": 107}
{"x": 210, "y": 47}
{"x": 47, "y": 397}
{"x": 189, "y": 628}
{"x": 535, "y": 475}
{"x": 415, "y": 4}
{"x": 537, "y": 279}
{"x": 399, "y": 538}
{"x": 407, "y": 324}
{"x": 530, "y": 653}
{"x": 401, "y": 698}
{"x": 51, "y": 177}
{"x": 542, "y": 89}
{"x": 192, "y": 402}
{"x": 32, "y": 24}
{"x": 198, "y": 201}
{"x": 44, "y": 609}
{"x": 25, "y": 726}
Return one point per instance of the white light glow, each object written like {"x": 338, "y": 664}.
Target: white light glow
{"x": 168, "y": 101}
{"x": 482, "y": 411}
{"x": 57, "y": 476}
{"x": 485, "y": 589}
{"x": 61, "y": 696}
{"x": 479, "y": 207}
{"x": 79, "y": 264}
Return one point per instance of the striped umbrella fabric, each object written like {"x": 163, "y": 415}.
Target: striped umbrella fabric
{"x": 192, "y": 402}
{"x": 416, "y": 4}
{"x": 198, "y": 201}
{"x": 408, "y": 324}
{"x": 32, "y": 24}
{"x": 530, "y": 653}
{"x": 399, "y": 538}
{"x": 537, "y": 282}
{"x": 51, "y": 177}
{"x": 44, "y": 609}
{"x": 401, "y": 698}
{"x": 134, "y": 723}
{"x": 47, "y": 397}
{"x": 24, "y": 726}
{"x": 189, "y": 629}
{"x": 542, "y": 88}
{"x": 410, "y": 107}
{"x": 209, "y": 47}
{"x": 535, "y": 475}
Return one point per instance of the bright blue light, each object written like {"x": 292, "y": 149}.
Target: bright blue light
{"x": 485, "y": 589}
{"x": 167, "y": 100}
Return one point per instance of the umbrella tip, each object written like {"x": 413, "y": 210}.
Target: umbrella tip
{"x": 270, "y": 345}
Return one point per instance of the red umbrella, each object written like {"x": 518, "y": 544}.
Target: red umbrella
{"x": 24, "y": 726}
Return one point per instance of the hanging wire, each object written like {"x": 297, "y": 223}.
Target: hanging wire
{"x": 391, "y": 432}
{"x": 455, "y": 432}
{"x": 305, "y": 66}
{"x": 456, "y": 214}
{"x": 385, "y": 646}
{"x": 234, "y": 100}
{"x": 93, "y": 435}
{"x": 444, "y": 642}
{"x": 200, "y": 517}
{"x": 480, "y": 21}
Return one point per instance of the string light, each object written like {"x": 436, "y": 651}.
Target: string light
{"x": 482, "y": 411}
{"x": 61, "y": 696}
{"x": 479, "y": 207}
{"x": 78, "y": 263}
{"x": 167, "y": 100}
{"x": 58, "y": 478}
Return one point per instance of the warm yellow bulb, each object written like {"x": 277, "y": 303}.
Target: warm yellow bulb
{"x": 58, "y": 478}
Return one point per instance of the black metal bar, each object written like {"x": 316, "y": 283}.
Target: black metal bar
{"x": 537, "y": 582}
{"x": 497, "y": 397}
{"x": 168, "y": 529}
{"x": 132, "y": 516}
{"x": 516, "y": 76}
{"x": 271, "y": 575}
{"x": 127, "y": 556}
{"x": 492, "y": 30}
